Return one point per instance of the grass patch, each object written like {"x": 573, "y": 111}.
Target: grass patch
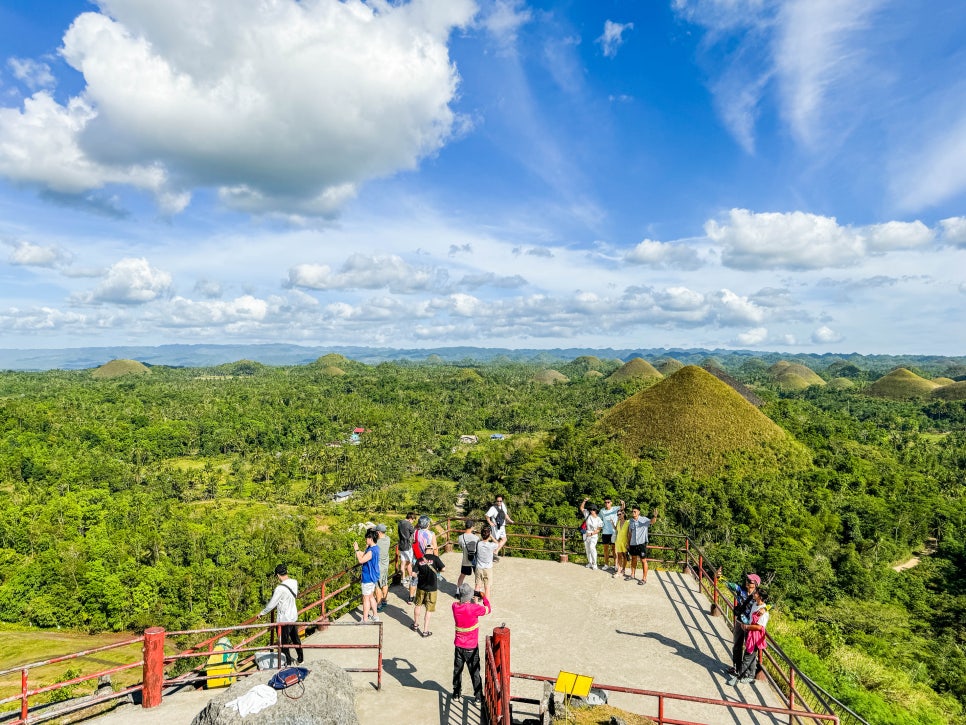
{"x": 601, "y": 715}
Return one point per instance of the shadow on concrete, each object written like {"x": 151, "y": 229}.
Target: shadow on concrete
{"x": 465, "y": 711}
{"x": 404, "y": 672}
{"x": 712, "y": 664}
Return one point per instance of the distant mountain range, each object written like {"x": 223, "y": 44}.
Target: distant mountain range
{"x": 80, "y": 358}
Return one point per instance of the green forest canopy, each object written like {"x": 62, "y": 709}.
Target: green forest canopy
{"x": 164, "y": 499}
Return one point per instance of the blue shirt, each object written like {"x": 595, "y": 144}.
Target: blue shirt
{"x": 610, "y": 518}
{"x": 370, "y": 569}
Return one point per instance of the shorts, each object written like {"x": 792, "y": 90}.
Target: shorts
{"x": 607, "y": 539}
{"x": 383, "y": 579}
{"x": 483, "y": 578}
{"x": 638, "y": 550}
{"x": 466, "y": 570}
{"x": 499, "y": 534}
{"x": 368, "y": 588}
{"x": 426, "y": 599}
{"x": 407, "y": 556}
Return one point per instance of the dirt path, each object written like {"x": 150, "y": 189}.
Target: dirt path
{"x": 907, "y": 564}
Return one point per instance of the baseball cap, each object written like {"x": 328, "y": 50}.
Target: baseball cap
{"x": 381, "y": 527}
{"x": 755, "y": 579}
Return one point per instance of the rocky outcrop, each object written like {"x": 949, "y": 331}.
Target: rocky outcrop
{"x": 328, "y": 700}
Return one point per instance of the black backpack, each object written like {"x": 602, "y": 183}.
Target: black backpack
{"x": 469, "y": 546}
{"x": 500, "y": 517}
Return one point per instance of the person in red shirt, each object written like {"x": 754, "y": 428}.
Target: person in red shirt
{"x": 467, "y": 612}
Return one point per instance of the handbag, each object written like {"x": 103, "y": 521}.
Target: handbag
{"x": 286, "y": 678}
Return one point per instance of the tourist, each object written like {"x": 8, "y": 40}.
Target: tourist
{"x": 755, "y": 639}
{"x": 637, "y": 535}
{"x": 472, "y": 605}
{"x": 424, "y": 546}
{"x": 498, "y": 517}
{"x": 370, "y": 575}
{"x": 467, "y": 542}
{"x": 427, "y": 587}
{"x": 283, "y": 601}
{"x": 744, "y": 603}
{"x": 609, "y": 516}
{"x": 486, "y": 550}
{"x": 592, "y": 526}
{"x": 620, "y": 543}
{"x": 406, "y": 528}
{"x": 382, "y": 590}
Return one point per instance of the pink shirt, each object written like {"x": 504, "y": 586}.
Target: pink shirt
{"x": 467, "y": 618}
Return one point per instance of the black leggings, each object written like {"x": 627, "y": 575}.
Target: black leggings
{"x": 470, "y": 658}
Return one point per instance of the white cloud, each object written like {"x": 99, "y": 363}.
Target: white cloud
{"x": 613, "y": 37}
{"x": 798, "y": 240}
{"x": 208, "y": 288}
{"x": 954, "y": 231}
{"x": 664, "y": 255}
{"x": 679, "y": 299}
{"x": 504, "y": 20}
{"x": 283, "y": 106}
{"x": 754, "y": 336}
{"x": 733, "y": 309}
{"x": 935, "y": 171}
{"x": 130, "y": 281}
{"x": 824, "y": 335}
{"x": 32, "y": 73}
{"x": 361, "y": 271}
{"x": 816, "y": 51}
{"x": 34, "y": 255}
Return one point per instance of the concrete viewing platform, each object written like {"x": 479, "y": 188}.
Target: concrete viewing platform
{"x": 561, "y": 617}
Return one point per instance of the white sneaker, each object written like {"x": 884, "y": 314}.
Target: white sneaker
{"x": 594, "y": 567}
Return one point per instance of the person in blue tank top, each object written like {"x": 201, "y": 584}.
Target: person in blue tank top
{"x": 370, "y": 575}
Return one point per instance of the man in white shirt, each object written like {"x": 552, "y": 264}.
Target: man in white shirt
{"x": 593, "y": 525}
{"x": 638, "y": 528}
{"x": 486, "y": 548}
{"x": 497, "y": 517}
{"x": 283, "y": 601}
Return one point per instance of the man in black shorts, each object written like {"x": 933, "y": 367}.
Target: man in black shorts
{"x": 638, "y": 528}
{"x": 467, "y": 542}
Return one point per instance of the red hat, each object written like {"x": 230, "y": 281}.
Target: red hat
{"x": 755, "y": 579}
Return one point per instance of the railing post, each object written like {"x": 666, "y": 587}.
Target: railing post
{"x": 700, "y": 570}
{"x": 448, "y": 546}
{"x": 564, "y": 558}
{"x": 501, "y": 647}
{"x": 660, "y": 711}
{"x": 791, "y": 693}
{"x": 687, "y": 555}
{"x": 153, "y": 668}
{"x": 715, "y": 609}
{"x": 324, "y": 616}
{"x": 23, "y": 694}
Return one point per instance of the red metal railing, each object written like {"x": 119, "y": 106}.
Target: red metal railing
{"x": 661, "y": 717}
{"x": 496, "y": 684}
{"x": 333, "y": 596}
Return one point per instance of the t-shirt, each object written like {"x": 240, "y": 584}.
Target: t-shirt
{"x": 427, "y": 580}
{"x": 610, "y": 519}
{"x": 467, "y": 617}
{"x": 594, "y": 524}
{"x": 425, "y": 537}
{"x": 763, "y": 617}
{"x": 284, "y": 598}
{"x": 484, "y": 554}
{"x": 637, "y": 530}
{"x": 383, "y": 543}
{"x": 463, "y": 540}
{"x": 370, "y": 569}
{"x": 494, "y": 512}
{"x": 406, "y": 528}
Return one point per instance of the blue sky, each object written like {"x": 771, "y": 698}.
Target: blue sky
{"x": 776, "y": 175}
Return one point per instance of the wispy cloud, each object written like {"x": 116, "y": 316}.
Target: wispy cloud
{"x": 612, "y": 38}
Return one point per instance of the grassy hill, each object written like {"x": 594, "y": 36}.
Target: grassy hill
{"x": 901, "y": 384}
{"x": 634, "y": 369}
{"x": 668, "y": 366}
{"x": 550, "y": 377}
{"x": 119, "y": 368}
{"x": 793, "y": 376}
{"x": 955, "y": 391}
{"x": 694, "y": 421}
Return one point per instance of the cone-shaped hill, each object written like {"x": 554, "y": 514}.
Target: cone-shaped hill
{"x": 593, "y": 374}
{"x": 118, "y": 368}
{"x": 955, "y": 391}
{"x": 668, "y": 366}
{"x": 792, "y": 376}
{"x": 693, "y": 421}
{"x": 901, "y": 384}
{"x": 943, "y": 381}
{"x": 634, "y": 369}
{"x": 333, "y": 358}
{"x": 743, "y": 390}
{"x": 550, "y": 377}
{"x": 333, "y": 371}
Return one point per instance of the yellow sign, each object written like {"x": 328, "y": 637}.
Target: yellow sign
{"x": 572, "y": 684}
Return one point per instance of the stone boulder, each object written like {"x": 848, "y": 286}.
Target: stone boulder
{"x": 328, "y": 700}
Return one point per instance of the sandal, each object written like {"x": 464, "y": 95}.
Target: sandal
{"x": 415, "y": 628}
{"x": 427, "y": 634}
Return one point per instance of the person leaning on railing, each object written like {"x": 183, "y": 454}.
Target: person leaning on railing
{"x": 744, "y": 602}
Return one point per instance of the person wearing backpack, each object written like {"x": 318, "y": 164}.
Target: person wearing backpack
{"x": 283, "y": 601}
{"x": 467, "y": 542}
{"x": 498, "y": 517}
